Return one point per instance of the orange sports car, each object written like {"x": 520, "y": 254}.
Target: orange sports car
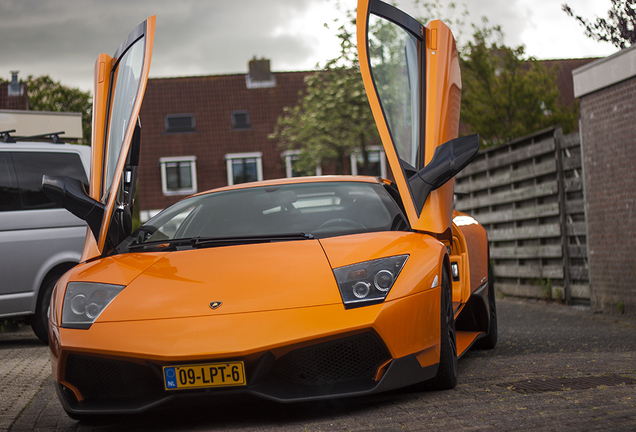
{"x": 290, "y": 289}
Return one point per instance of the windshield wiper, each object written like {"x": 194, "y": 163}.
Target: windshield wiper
{"x": 201, "y": 242}
{"x": 170, "y": 245}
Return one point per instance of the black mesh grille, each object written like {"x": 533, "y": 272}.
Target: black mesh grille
{"x": 353, "y": 358}
{"x": 99, "y": 378}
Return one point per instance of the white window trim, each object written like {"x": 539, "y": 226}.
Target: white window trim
{"x": 146, "y": 215}
{"x": 288, "y": 156}
{"x": 354, "y": 165}
{"x": 193, "y": 168}
{"x": 253, "y": 155}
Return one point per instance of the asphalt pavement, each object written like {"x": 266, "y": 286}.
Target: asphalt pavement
{"x": 555, "y": 368}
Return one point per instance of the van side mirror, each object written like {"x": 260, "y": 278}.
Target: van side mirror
{"x": 448, "y": 160}
{"x": 71, "y": 195}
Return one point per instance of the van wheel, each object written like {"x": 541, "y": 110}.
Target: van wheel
{"x": 40, "y": 321}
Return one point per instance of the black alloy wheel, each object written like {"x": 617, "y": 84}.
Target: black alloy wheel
{"x": 446, "y": 377}
{"x": 490, "y": 340}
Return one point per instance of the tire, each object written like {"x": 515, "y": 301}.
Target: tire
{"x": 446, "y": 377}
{"x": 40, "y": 321}
{"x": 490, "y": 340}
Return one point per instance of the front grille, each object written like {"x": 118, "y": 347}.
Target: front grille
{"x": 98, "y": 378}
{"x": 354, "y": 358}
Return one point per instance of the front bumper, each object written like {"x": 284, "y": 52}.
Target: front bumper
{"x": 289, "y": 355}
{"x": 350, "y": 366}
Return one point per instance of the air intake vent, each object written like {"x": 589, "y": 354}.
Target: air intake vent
{"x": 99, "y": 378}
{"x": 354, "y": 358}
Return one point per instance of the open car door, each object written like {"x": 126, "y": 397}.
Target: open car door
{"x": 412, "y": 78}
{"x": 120, "y": 83}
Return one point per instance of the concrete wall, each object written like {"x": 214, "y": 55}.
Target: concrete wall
{"x": 607, "y": 91}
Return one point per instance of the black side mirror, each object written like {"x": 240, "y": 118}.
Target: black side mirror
{"x": 448, "y": 160}
{"x": 70, "y": 194}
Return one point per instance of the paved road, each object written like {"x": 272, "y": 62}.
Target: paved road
{"x": 537, "y": 378}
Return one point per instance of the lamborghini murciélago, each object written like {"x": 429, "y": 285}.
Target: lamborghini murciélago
{"x": 293, "y": 289}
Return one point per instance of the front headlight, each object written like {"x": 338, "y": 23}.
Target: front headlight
{"x": 368, "y": 282}
{"x": 85, "y": 301}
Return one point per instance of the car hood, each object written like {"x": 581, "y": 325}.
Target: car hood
{"x": 242, "y": 279}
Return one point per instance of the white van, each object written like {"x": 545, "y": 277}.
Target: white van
{"x": 39, "y": 241}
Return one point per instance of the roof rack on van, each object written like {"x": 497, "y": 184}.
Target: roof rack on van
{"x": 6, "y": 137}
{"x": 55, "y": 136}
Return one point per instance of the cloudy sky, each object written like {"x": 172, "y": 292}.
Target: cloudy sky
{"x": 62, "y": 38}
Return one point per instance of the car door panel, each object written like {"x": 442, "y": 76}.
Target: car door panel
{"x": 120, "y": 83}
{"x": 400, "y": 56}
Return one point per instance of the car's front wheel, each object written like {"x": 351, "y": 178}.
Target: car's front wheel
{"x": 446, "y": 377}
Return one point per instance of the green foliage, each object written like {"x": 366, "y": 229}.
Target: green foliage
{"x": 620, "y": 27}
{"x": 9, "y": 325}
{"x": 621, "y": 306}
{"x": 506, "y": 95}
{"x": 545, "y": 287}
{"x": 48, "y": 95}
{"x": 453, "y": 15}
{"x": 333, "y": 118}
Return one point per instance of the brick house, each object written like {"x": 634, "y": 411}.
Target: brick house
{"x": 204, "y": 132}
{"x": 607, "y": 92}
{"x": 563, "y": 69}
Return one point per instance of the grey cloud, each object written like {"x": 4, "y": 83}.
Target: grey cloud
{"x": 63, "y": 38}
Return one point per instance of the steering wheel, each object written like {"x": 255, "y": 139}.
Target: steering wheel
{"x": 341, "y": 222}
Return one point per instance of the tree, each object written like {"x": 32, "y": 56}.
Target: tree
{"x": 333, "y": 118}
{"x": 504, "y": 95}
{"x": 619, "y": 30}
{"x": 48, "y": 95}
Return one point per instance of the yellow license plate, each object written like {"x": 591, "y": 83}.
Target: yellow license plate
{"x": 204, "y": 375}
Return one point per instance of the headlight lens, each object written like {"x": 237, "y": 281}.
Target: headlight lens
{"x": 368, "y": 282}
{"x": 85, "y": 301}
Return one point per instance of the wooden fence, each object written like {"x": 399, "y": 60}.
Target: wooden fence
{"x": 528, "y": 193}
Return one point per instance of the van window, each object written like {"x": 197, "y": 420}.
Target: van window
{"x": 30, "y": 167}
{"x": 9, "y": 193}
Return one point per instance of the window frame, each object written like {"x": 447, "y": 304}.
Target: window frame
{"x": 28, "y": 177}
{"x": 167, "y": 117}
{"x": 289, "y": 156}
{"x": 354, "y": 163}
{"x": 235, "y": 124}
{"x": 250, "y": 155}
{"x": 164, "y": 177}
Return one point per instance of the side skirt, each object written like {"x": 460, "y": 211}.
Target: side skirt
{"x": 466, "y": 339}
{"x": 472, "y": 320}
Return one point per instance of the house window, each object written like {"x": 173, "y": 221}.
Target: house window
{"x": 179, "y": 122}
{"x": 376, "y": 162}
{"x": 178, "y": 175}
{"x": 241, "y": 120}
{"x": 244, "y": 167}
{"x": 291, "y": 156}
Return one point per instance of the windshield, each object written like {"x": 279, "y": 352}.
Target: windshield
{"x": 309, "y": 210}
